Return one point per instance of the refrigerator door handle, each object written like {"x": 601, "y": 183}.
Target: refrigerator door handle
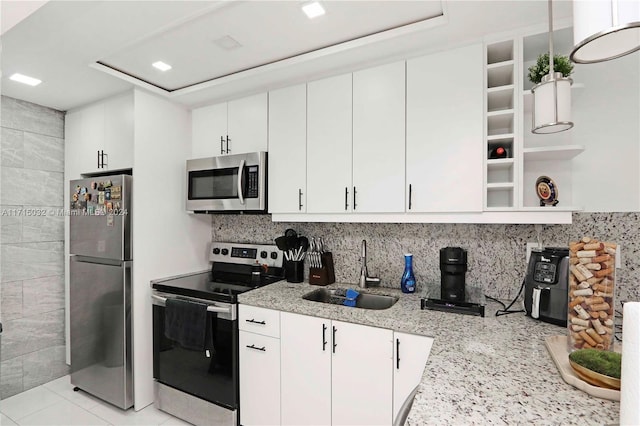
{"x": 161, "y": 301}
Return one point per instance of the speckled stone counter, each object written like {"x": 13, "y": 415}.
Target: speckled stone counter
{"x": 480, "y": 370}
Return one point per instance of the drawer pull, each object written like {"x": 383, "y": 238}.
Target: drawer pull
{"x": 263, "y": 349}
{"x": 256, "y": 322}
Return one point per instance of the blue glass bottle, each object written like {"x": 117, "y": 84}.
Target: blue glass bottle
{"x": 408, "y": 282}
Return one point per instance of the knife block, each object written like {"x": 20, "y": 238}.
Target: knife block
{"x": 324, "y": 275}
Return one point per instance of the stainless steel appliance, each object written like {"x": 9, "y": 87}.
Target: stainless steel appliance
{"x": 100, "y": 268}
{"x": 546, "y": 293}
{"x": 200, "y": 385}
{"x": 228, "y": 183}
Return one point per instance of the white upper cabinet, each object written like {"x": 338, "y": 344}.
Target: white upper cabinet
{"x": 288, "y": 150}
{"x": 379, "y": 139}
{"x": 329, "y": 147}
{"x": 445, "y": 131}
{"x": 99, "y": 137}
{"x": 233, "y": 127}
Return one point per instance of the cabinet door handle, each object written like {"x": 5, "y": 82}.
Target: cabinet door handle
{"x": 221, "y": 144}
{"x": 299, "y": 199}
{"x": 409, "y": 196}
{"x": 354, "y": 198}
{"x": 334, "y": 339}
{"x": 324, "y": 337}
{"x": 98, "y": 158}
{"x": 397, "y": 354}
{"x": 252, "y": 346}
{"x": 346, "y": 198}
{"x": 256, "y": 322}
{"x": 228, "y": 150}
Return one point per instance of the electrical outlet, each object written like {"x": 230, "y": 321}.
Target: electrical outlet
{"x": 530, "y": 246}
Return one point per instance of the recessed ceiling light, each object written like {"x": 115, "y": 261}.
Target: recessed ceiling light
{"x": 313, "y": 9}
{"x": 25, "y": 79}
{"x": 161, "y": 66}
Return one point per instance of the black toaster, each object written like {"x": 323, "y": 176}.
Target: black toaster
{"x": 546, "y": 291}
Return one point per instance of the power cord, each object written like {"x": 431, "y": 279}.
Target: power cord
{"x": 505, "y": 309}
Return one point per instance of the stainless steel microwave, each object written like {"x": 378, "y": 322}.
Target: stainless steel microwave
{"x": 227, "y": 184}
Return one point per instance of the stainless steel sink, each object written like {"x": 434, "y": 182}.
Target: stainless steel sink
{"x": 363, "y": 301}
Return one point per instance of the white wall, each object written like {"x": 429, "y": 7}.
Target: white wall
{"x": 166, "y": 239}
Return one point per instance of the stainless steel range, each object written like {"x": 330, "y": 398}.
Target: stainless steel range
{"x": 200, "y": 383}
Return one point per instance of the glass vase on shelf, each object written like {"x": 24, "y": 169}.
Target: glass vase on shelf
{"x": 408, "y": 281}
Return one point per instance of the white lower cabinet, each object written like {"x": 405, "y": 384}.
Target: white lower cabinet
{"x": 335, "y": 372}
{"x": 410, "y": 354}
{"x": 259, "y": 379}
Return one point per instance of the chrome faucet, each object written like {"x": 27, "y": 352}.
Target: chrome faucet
{"x": 365, "y": 280}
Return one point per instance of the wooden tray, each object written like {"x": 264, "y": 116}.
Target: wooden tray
{"x": 557, "y": 347}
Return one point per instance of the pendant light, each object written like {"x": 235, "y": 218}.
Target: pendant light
{"x": 605, "y": 30}
{"x": 552, "y": 96}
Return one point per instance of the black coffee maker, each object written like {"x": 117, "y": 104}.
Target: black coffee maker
{"x": 453, "y": 266}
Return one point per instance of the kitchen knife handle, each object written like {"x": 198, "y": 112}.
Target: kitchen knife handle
{"x": 324, "y": 337}
{"x": 346, "y": 198}
{"x": 299, "y": 199}
{"x": 221, "y": 144}
{"x": 409, "y": 196}
{"x": 397, "y": 354}
{"x": 228, "y": 150}
{"x": 354, "y": 198}
{"x": 334, "y": 339}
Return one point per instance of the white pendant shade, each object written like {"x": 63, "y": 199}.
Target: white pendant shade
{"x": 605, "y": 29}
{"x": 552, "y": 105}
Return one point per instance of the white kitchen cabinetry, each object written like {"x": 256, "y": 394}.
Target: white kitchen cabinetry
{"x": 99, "y": 137}
{"x": 329, "y": 145}
{"x": 410, "y": 354}
{"x": 379, "y": 139}
{"x": 288, "y": 150}
{"x": 444, "y": 131}
{"x": 335, "y": 372}
{"x": 259, "y": 355}
{"x": 233, "y": 127}
{"x": 306, "y": 370}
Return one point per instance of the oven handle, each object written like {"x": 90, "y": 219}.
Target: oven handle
{"x": 240, "y": 187}
{"x": 161, "y": 301}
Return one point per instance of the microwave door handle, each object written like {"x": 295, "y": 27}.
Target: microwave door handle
{"x": 240, "y": 174}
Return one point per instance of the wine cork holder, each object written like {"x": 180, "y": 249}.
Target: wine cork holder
{"x": 324, "y": 275}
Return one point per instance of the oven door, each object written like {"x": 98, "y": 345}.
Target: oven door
{"x": 209, "y": 375}
{"x": 227, "y": 183}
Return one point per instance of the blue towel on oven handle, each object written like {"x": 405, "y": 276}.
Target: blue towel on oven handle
{"x": 185, "y": 322}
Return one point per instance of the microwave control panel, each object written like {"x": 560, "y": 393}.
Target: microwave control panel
{"x": 252, "y": 182}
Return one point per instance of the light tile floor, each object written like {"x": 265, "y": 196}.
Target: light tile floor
{"x": 55, "y": 403}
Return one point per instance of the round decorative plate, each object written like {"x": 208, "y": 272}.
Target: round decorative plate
{"x": 594, "y": 378}
{"x": 547, "y": 191}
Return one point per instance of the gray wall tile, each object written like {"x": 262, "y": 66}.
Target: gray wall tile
{"x": 11, "y": 300}
{"x": 46, "y": 225}
{"x": 10, "y": 224}
{"x": 26, "y": 261}
{"x": 11, "y": 184}
{"x": 18, "y": 114}
{"x": 11, "y": 378}
{"x": 30, "y": 334}
{"x": 43, "y": 152}
{"x": 31, "y": 187}
{"x": 11, "y": 148}
{"x": 43, "y": 366}
{"x": 43, "y": 295}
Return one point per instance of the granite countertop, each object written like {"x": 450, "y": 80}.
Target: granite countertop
{"x": 480, "y": 370}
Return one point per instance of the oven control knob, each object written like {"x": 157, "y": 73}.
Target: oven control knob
{"x": 263, "y": 254}
{"x": 274, "y": 254}
{"x": 225, "y": 252}
{"x": 216, "y": 250}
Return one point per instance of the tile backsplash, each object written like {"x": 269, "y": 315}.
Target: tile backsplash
{"x": 496, "y": 253}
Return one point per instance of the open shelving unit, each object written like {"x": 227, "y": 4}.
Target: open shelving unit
{"x": 500, "y": 125}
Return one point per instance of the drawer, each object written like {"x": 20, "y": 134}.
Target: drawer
{"x": 259, "y": 320}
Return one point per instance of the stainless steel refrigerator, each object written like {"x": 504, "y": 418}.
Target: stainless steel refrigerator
{"x": 100, "y": 268}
